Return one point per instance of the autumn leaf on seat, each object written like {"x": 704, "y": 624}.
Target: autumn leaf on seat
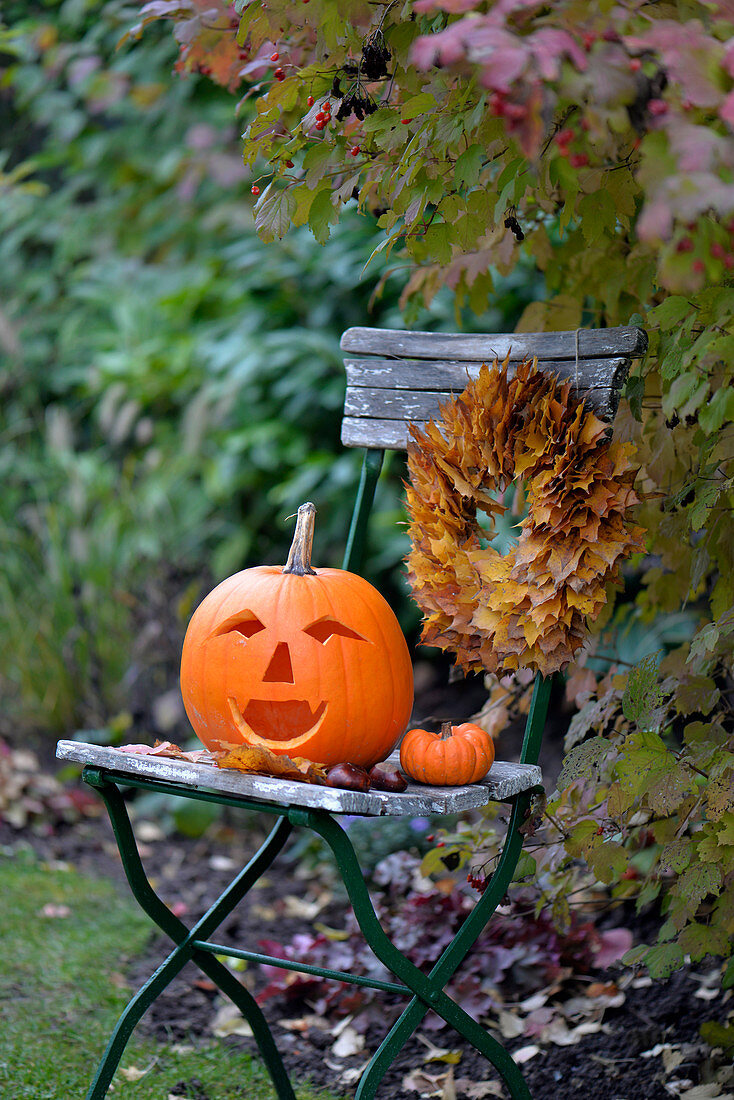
{"x": 261, "y": 761}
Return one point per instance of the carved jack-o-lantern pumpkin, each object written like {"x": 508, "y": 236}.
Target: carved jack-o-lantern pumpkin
{"x": 305, "y": 662}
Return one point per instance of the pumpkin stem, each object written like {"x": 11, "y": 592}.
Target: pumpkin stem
{"x": 445, "y": 731}
{"x": 299, "y": 556}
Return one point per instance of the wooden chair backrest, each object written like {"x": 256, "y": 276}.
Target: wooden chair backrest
{"x": 395, "y": 377}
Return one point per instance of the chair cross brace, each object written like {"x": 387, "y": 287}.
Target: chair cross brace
{"x": 192, "y": 945}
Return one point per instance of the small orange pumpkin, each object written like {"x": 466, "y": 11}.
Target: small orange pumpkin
{"x": 305, "y": 662}
{"x": 459, "y": 754}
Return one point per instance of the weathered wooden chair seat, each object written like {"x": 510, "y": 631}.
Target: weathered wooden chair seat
{"x": 393, "y": 378}
{"x": 503, "y": 783}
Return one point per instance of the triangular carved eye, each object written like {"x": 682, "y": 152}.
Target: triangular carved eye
{"x": 326, "y": 628}
{"x": 243, "y": 623}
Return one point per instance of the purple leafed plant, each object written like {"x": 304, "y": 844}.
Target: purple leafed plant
{"x": 517, "y": 954}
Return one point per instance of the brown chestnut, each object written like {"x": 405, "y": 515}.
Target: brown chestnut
{"x": 387, "y": 777}
{"x": 349, "y": 776}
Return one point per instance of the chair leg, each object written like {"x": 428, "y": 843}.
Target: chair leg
{"x": 429, "y": 990}
{"x": 186, "y": 949}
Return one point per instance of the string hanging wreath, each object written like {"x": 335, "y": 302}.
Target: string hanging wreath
{"x": 529, "y": 607}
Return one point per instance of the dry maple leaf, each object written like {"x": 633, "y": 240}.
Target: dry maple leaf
{"x": 529, "y": 607}
{"x": 261, "y": 761}
{"x": 170, "y": 750}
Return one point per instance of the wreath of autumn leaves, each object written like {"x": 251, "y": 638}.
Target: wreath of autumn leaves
{"x": 529, "y": 607}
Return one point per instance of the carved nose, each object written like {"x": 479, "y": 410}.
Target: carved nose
{"x": 280, "y": 669}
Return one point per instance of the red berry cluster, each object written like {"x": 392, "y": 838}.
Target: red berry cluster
{"x": 323, "y": 117}
{"x": 717, "y": 250}
{"x": 563, "y": 140}
{"x": 502, "y": 107}
{"x": 477, "y": 882}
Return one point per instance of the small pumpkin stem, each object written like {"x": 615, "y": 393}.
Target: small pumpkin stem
{"x": 299, "y": 555}
{"x": 446, "y": 728}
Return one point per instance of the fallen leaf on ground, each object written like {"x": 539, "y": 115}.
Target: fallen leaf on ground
{"x": 449, "y": 1088}
{"x": 438, "y": 1054}
{"x": 524, "y": 1054}
{"x": 477, "y": 1090}
{"x": 205, "y": 985}
{"x": 230, "y": 1021}
{"x": 305, "y": 1023}
{"x": 299, "y": 907}
{"x": 134, "y": 1073}
{"x": 704, "y": 994}
{"x": 348, "y": 1043}
{"x": 424, "y": 1083}
{"x": 594, "y": 1003}
{"x": 710, "y": 1091}
{"x": 510, "y": 1025}
{"x": 350, "y": 1075}
{"x": 222, "y": 863}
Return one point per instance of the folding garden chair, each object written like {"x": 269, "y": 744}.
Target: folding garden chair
{"x": 393, "y": 378}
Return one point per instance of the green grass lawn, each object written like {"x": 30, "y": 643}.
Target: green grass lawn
{"x": 61, "y": 990}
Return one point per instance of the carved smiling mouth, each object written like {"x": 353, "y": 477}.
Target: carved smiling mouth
{"x": 267, "y": 720}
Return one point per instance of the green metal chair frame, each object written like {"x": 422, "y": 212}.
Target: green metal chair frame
{"x": 423, "y": 992}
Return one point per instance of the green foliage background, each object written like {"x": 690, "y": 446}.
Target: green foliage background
{"x": 171, "y": 385}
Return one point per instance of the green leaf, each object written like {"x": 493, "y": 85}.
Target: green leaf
{"x": 718, "y": 1035}
{"x": 581, "y": 837}
{"x": 468, "y": 166}
{"x": 663, "y": 959}
{"x": 686, "y": 393}
{"x": 696, "y": 694}
{"x": 418, "y": 105}
{"x": 676, "y": 855}
{"x": 437, "y": 240}
{"x": 644, "y": 762}
{"x": 727, "y": 982}
{"x": 315, "y": 161}
{"x": 526, "y": 866}
{"x": 642, "y": 699}
{"x": 666, "y": 793}
{"x": 608, "y": 860}
{"x": 698, "y": 940}
{"x": 670, "y": 312}
{"x": 720, "y": 792}
{"x": 274, "y": 213}
{"x": 583, "y": 761}
{"x": 718, "y": 410}
{"x": 322, "y": 215}
{"x": 696, "y": 883}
